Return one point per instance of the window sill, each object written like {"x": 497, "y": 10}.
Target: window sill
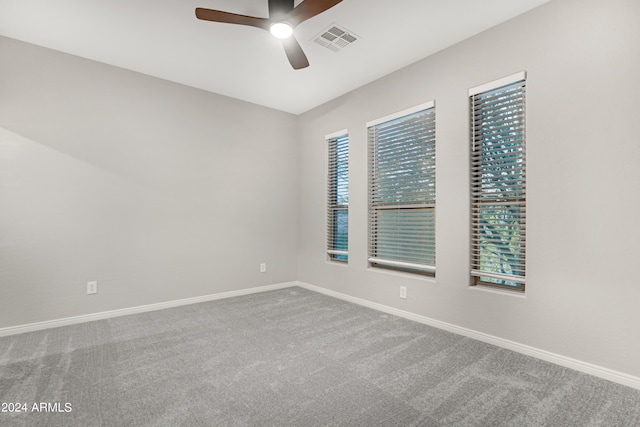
{"x": 404, "y": 274}
{"x": 494, "y": 290}
{"x": 337, "y": 263}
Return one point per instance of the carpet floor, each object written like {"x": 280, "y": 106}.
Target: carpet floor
{"x": 289, "y": 357}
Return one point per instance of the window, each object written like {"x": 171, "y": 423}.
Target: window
{"x": 498, "y": 199}
{"x": 338, "y": 196}
{"x": 402, "y": 190}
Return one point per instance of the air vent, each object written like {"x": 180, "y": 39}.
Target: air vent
{"x": 335, "y": 38}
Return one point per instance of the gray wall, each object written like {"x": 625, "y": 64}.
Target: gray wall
{"x": 582, "y": 297}
{"x": 156, "y": 190}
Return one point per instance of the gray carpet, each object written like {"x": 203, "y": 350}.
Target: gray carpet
{"x": 290, "y": 357}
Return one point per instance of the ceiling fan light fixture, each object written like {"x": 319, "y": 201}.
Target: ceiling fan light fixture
{"x": 281, "y": 30}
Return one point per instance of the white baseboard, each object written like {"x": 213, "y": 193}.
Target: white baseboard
{"x": 588, "y": 368}
{"x": 20, "y": 329}
{"x": 558, "y": 359}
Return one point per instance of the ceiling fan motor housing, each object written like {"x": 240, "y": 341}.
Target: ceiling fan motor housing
{"x": 279, "y": 8}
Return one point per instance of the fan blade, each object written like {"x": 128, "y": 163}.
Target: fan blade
{"x": 308, "y": 9}
{"x": 232, "y": 18}
{"x": 294, "y": 52}
{"x": 279, "y": 7}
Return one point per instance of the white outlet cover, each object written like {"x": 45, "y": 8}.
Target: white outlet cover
{"x": 92, "y": 287}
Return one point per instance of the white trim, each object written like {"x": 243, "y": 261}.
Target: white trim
{"x": 391, "y": 263}
{"x": 522, "y": 75}
{"x": 558, "y": 359}
{"x": 578, "y": 365}
{"x": 343, "y": 132}
{"x": 402, "y": 113}
{"x": 31, "y": 327}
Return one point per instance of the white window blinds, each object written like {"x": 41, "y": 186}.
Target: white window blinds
{"x": 498, "y": 198}
{"x": 402, "y": 190}
{"x": 338, "y": 196}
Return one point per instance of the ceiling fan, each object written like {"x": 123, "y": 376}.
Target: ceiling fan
{"x": 283, "y": 18}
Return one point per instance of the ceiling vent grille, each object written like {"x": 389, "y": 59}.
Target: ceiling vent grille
{"x": 335, "y": 38}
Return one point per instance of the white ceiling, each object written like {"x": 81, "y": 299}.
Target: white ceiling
{"x": 162, "y": 38}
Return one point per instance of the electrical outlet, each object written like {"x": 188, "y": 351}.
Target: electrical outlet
{"x": 263, "y": 267}
{"x": 92, "y": 288}
{"x": 403, "y": 292}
